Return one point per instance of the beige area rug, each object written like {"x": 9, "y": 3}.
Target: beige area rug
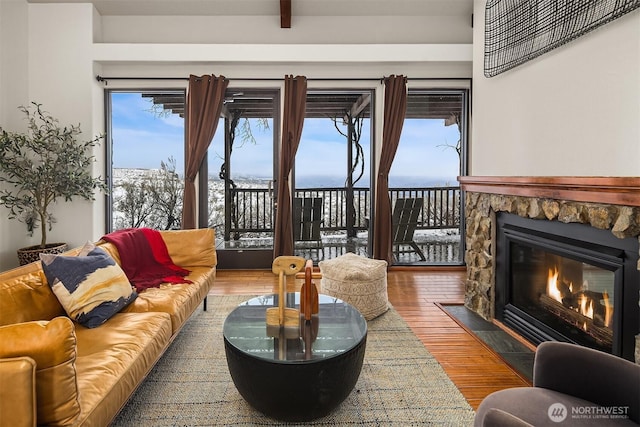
{"x": 401, "y": 384}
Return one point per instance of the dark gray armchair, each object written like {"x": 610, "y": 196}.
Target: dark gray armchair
{"x": 572, "y": 386}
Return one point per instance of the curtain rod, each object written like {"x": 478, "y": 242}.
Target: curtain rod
{"x": 106, "y": 79}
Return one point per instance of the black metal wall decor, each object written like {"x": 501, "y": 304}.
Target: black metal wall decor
{"x": 517, "y": 31}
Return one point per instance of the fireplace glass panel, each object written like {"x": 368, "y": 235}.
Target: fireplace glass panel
{"x": 571, "y": 296}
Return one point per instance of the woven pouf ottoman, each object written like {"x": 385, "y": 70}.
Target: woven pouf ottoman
{"x": 359, "y": 281}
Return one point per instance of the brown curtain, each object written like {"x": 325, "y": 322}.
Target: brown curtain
{"x": 204, "y": 104}
{"x": 295, "y": 105}
{"x": 395, "y": 108}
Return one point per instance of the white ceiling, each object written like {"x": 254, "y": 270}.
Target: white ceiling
{"x": 272, "y": 7}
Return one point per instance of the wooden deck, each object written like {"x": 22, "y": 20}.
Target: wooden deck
{"x": 415, "y": 293}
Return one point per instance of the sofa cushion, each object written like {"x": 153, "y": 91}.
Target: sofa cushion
{"x": 26, "y": 296}
{"x": 179, "y": 300}
{"x": 187, "y": 248}
{"x": 191, "y": 248}
{"x": 91, "y": 286}
{"x": 113, "y": 360}
{"x": 52, "y": 345}
{"x": 144, "y": 257}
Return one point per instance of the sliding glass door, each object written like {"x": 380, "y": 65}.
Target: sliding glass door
{"x": 241, "y": 165}
{"x": 332, "y": 197}
{"x": 423, "y": 179}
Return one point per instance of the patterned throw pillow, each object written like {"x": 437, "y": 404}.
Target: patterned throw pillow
{"x": 91, "y": 286}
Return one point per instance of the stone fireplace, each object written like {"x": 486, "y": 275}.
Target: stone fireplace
{"x": 598, "y": 206}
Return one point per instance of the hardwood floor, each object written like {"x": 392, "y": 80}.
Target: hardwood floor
{"x": 415, "y": 294}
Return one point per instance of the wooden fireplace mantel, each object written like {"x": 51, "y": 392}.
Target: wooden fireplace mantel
{"x": 608, "y": 190}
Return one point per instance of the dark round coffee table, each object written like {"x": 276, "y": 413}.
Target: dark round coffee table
{"x": 295, "y": 374}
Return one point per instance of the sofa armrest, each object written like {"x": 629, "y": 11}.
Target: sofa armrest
{"x": 52, "y": 346}
{"x": 588, "y": 374}
{"x": 18, "y": 391}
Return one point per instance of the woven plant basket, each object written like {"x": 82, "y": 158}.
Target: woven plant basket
{"x": 32, "y": 253}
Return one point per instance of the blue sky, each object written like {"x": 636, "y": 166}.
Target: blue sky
{"x": 142, "y": 140}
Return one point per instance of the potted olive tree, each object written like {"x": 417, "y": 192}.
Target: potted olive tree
{"x": 41, "y": 166}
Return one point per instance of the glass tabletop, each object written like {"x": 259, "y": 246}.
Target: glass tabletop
{"x": 337, "y": 328}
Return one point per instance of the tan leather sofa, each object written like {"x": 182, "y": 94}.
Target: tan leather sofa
{"x": 54, "y": 371}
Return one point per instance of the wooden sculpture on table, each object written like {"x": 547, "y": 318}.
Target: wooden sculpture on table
{"x": 283, "y": 316}
{"x": 308, "y": 293}
{"x": 287, "y": 323}
{"x": 309, "y": 309}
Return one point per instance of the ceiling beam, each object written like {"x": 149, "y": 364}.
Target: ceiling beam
{"x": 285, "y": 13}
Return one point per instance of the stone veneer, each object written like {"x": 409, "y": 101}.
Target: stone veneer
{"x": 623, "y": 221}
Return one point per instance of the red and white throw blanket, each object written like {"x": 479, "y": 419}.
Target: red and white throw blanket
{"x": 145, "y": 259}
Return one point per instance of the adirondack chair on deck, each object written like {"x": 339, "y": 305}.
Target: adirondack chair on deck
{"x": 404, "y": 222}
{"x": 307, "y": 218}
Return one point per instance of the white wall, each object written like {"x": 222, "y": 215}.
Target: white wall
{"x": 13, "y": 58}
{"x": 61, "y": 77}
{"x": 574, "y": 111}
{"x": 54, "y": 68}
{"x": 304, "y": 29}
{"x": 13, "y": 92}
{"x": 64, "y": 46}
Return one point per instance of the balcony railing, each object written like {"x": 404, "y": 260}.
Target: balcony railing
{"x": 252, "y": 209}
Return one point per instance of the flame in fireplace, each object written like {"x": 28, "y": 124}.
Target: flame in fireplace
{"x": 552, "y": 285}
{"x": 586, "y": 309}
{"x": 583, "y": 305}
{"x": 586, "y": 306}
{"x": 608, "y": 314}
